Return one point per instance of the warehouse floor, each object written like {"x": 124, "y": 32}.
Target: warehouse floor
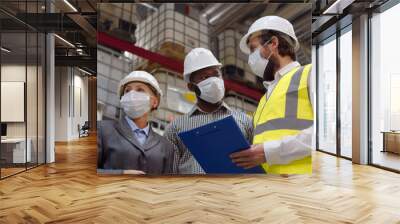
{"x": 69, "y": 191}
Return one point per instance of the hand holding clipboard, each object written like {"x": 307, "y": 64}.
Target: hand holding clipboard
{"x": 212, "y": 144}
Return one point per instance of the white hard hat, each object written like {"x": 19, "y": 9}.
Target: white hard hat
{"x": 139, "y": 76}
{"x": 197, "y": 59}
{"x": 275, "y": 23}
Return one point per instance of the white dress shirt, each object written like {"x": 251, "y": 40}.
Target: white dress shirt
{"x": 292, "y": 147}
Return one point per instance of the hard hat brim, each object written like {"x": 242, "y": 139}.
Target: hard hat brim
{"x": 122, "y": 85}
{"x": 245, "y": 48}
{"x": 243, "y": 43}
{"x": 186, "y": 76}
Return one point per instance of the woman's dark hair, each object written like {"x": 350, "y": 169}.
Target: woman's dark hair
{"x": 284, "y": 48}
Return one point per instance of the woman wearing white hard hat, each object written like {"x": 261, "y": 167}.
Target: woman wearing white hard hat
{"x": 130, "y": 144}
{"x": 283, "y": 122}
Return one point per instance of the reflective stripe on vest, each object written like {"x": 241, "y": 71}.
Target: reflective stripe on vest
{"x": 287, "y": 111}
{"x": 283, "y": 123}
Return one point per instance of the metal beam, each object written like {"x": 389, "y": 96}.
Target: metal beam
{"x": 76, "y": 61}
{"x": 211, "y": 8}
{"x": 337, "y": 7}
{"x": 48, "y": 22}
{"x": 84, "y": 24}
{"x": 320, "y": 22}
{"x": 289, "y": 11}
{"x": 227, "y": 11}
{"x": 169, "y": 63}
{"x": 229, "y": 21}
{"x": 62, "y": 6}
{"x": 270, "y": 10}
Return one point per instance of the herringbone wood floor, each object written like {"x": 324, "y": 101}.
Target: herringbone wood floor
{"x": 69, "y": 191}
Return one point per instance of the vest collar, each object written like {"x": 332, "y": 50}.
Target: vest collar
{"x": 283, "y": 71}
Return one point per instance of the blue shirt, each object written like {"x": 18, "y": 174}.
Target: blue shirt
{"x": 140, "y": 134}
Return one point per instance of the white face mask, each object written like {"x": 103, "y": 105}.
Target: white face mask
{"x": 257, "y": 62}
{"x": 135, "y": 104}
{"x": 212, "y": 89}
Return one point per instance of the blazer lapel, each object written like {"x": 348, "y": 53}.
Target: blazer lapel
{"x": 124, "y": 129}
{"x": 152, "y": 140}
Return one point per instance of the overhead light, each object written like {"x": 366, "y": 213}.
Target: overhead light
{"x": 86, "y": 72}
{"x": 65, "y": 41}
{"x": 212, "y": 8}
{"x": 338, "y": 6}
{"x": 5, "y": 50}
{"x": 149, "y": 6}
{"x": 221, "y": 13}
{"x": 79, "y": 51}
{"x": 70, "y": 5}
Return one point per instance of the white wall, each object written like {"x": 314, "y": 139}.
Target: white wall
{"x": 61, "y": 103}
{"x": 79, "y": 117}
{"x": 12, "y": 73}
{"x": 33, "y": 126}
{"x": 69, "y": 85}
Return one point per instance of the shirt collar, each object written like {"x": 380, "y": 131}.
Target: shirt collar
{"x": 287, "y": 68}
{"x": 134, "y": 127}
{"x": 281, "y": 72}
{"x": 196, "y": 108}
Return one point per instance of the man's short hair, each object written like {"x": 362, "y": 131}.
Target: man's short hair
{"x": 284, "y": 48}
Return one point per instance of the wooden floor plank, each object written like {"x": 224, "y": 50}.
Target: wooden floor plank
{"x": 70, "y": 191}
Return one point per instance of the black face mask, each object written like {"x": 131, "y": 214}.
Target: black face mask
{"x": 269, "y": 71}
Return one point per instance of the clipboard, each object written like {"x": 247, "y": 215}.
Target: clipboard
{"x": 211, "y": 145}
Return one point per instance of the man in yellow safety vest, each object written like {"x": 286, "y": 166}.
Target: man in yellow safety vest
{"x": 283, "y": 122}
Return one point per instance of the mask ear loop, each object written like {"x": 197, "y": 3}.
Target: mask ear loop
{"x": 266, "y": 43}
{"x": 197, "y": 90}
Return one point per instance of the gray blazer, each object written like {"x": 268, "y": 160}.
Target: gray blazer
{"x": 117, "y": 148}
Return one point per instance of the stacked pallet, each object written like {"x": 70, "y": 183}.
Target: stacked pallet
{"x": 113, "y": 12}
{"x": 241, "y": 103}
{"x": 111, "y": 68}
{"x": 177, "y": 99}
{"x": 170, "y": 49}
{"x": 171, "y": 33}
{"x": 234, "y": 60}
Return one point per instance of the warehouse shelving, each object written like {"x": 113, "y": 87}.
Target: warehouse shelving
{"x": 230, "y": 53}
{"x": 167, "y": 26}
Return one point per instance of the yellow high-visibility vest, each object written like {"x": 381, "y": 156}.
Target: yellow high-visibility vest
{"x": 287, "y": 111}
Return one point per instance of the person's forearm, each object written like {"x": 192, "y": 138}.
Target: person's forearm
{"x": 290, "y": 148}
